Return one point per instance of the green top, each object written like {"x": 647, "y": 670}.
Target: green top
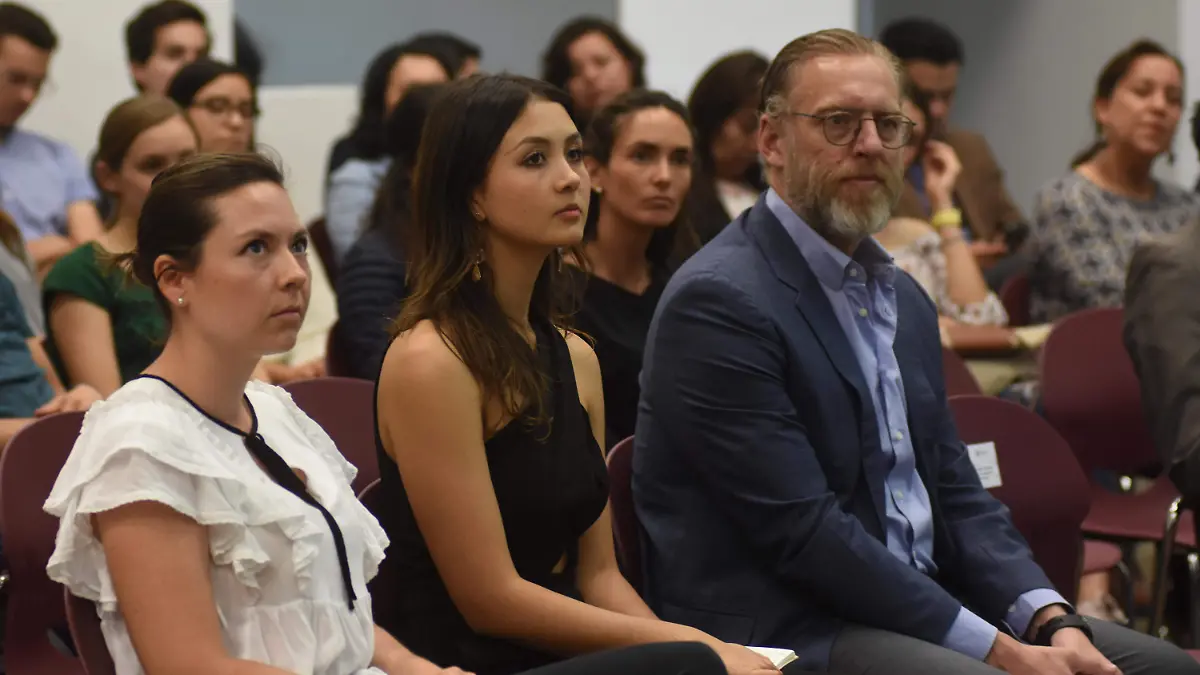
{"x": 138, "y": 326}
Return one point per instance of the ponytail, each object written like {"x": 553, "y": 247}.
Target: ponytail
{"x": 1088, "y": 154}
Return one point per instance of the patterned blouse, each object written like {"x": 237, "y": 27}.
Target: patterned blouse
{"x": 1083, "y": 237}
{"x": 924, "y": 260}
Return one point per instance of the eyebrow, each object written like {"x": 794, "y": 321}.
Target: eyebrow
{"x": 542, "y": 140}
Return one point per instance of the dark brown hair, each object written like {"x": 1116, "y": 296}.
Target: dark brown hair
{"x": 599, "y": 141}
{"x": 1110, "y": 76}
{"x": 178, "y": 213}
{"x": 141, "y": 33}
{"x": 556, "y": 60}
{"x": 729, "y": 85}
{"x": 462, "y": 134}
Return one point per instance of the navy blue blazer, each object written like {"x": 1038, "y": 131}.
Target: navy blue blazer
{"x": 758, "y": 474}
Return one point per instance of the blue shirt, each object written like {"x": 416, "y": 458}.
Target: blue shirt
{"x": 348, "y": 203}
{"x": 861, "y": 289}
{"x": 39, "y": 179}
{"x": 23, "y": 385}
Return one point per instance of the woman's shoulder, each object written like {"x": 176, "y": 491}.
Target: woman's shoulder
{"x": 423, "y": 356}
{"x": 84, "y": 263}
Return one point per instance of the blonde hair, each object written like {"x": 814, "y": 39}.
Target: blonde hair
{"x": 829, "y": 42}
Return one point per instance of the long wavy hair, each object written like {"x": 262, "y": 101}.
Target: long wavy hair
{"x": 668, "y": 245}
{"x": 460, "y": 139}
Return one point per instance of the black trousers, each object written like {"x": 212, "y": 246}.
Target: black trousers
{"x": 668, "y": 658}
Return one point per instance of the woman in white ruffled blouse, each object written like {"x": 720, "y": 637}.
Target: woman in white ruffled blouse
{"x": 174, "y": 516}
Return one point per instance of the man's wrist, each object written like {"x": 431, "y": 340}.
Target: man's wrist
{"x": 1041, "y": 617}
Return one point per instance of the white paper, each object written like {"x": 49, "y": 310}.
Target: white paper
{"x": 983, "y": 456}
{"x": 780, "y": 657}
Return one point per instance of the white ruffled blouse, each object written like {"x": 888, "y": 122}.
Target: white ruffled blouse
{"x": 274, "y": 569}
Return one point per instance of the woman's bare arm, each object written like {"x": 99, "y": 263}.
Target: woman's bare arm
{"x": 159, "y": 563}
{"x": 83, "y": 336}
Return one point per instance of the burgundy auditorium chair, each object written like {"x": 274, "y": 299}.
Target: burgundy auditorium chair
{"x": 87, "y": 635}
{"x": 1014, "y": 295}
{"x": 345, "y": 409}
{"x": 28, "y": 469}
{"x": 959, "y": 379}
{"x": 625, "y": 523}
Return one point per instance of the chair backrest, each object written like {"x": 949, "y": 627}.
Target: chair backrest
{"x": 1042, "y": 483}
{"x": 625, "y": 522}
{"x": 1091, "y": 395}
{"x": 87, "y": 635}
{"x": 345, "y": 409}
{"x": 1014, "y": 295}
{"x": 30, "y": 465}
{"x": 319, "y": 232}
{"x": 959, "y": 380}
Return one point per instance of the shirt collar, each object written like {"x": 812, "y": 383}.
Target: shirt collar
{"x": 831, "y": 265}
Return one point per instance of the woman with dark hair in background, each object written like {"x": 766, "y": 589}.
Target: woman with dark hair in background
{"x": 594, "y": 62}
{"x": 377, "y": 98}
{"x": 724, "y": 110}
{"x": 640, "y": 158}
{"x": 462, "y": 57}
{"x": 221, "y": 103}
{"x": 490, "y": 414}
{"x": 1088, "y": 222}
{"x": 354, "y": 182}
{"x": 371, "y": 286}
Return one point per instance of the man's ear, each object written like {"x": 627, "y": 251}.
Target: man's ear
{"x": 771, "y": 142}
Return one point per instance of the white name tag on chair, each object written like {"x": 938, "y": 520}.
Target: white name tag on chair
{"x": 983, "y": 456}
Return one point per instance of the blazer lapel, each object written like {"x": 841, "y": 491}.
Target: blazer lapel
{"x": 785, "y": 259}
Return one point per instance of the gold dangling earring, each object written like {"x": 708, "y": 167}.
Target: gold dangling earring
{"x": 476, "y": 275}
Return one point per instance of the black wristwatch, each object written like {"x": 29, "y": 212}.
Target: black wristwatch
{"x": 1058, "y": 623}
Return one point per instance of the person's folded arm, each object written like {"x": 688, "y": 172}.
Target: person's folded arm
{"x": 718, "y": 383}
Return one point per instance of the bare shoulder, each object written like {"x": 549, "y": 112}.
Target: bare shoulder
{"x": 586, "y": 367}
{"x": 421, "y": 360}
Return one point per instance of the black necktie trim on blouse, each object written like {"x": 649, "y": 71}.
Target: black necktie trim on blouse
{"x": 281, "y": 473}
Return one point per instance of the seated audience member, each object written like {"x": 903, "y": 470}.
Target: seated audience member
{"x": 28, "y": 386}
{"x": 639, "y": 157}
{"x": 461, "y": 56}
{"x": 935, "y": 252}
{"x": 169, "y": 520}
{"x": 723, "y": 108}
{"x": 371, "y": 285}
{"x": 164, "y": 37}
{"x": 794, "y": 445}
{"x": 1162, "y": 335}
{"x": 220, "y": 102}
{"x": 17, "y": 268}
{"x": 379, "y": 96}
{"x": 933, "y": 56}
{"x": 43, "y": 185}
{"x": 1089, "y": 221}
{"x": 490, "y": 416}
{"x": 103, "y": 328}
{"x": 353, "y": 185}
{"x": 594, "y": 62}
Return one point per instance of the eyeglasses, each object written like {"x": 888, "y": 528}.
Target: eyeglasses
{"x": 223, "y": 106}
{"x": 842, "y": 127}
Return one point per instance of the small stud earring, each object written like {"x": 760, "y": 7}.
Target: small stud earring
{"x": 179, "y": 301}
{"x": 598, "y": 190}
{"x": 478, "y": 214}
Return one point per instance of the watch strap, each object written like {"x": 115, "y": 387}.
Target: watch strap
{"x": 1058, "y": 623}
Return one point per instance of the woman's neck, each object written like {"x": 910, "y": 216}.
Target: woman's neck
{"x": 514, "y": 273}
{"x": 215, "y": 380}
{"x": 618, "y": 253}
{"x": 1126, "y": 173}
{"x": 121, "y": 237}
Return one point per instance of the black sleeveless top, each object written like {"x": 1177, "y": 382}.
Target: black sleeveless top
{"x": 551, "y": 485}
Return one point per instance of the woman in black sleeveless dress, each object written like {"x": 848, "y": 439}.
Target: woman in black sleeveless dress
{"x": 490, "y": 416}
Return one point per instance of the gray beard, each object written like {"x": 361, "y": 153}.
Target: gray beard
{"x": 832, "y": 217}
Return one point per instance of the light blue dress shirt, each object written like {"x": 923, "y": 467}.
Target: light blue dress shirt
{"x": 862, "y": 291}
{"x": 348, "y": 203}
{"x": 39, "y": 179}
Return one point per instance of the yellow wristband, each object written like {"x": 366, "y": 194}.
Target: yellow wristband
{"x": 946, "y": 218}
